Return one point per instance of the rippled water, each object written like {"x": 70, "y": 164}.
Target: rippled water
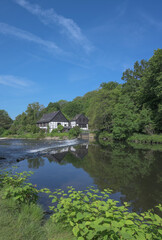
{"x": 133, "y": 172}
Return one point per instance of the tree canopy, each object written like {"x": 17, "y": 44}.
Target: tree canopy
{"x": 121, "y": 109}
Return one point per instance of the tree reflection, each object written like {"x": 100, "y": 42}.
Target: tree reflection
{"x": 35, "y": 163}
{"x": 136, "y": 173}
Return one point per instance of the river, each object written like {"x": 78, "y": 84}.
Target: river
{"x": 132, "y": 172}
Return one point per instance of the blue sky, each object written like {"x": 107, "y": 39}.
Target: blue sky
{"x": 59, "y": 49}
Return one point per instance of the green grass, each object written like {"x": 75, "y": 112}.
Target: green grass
{"x": 142, "y": 138}
{"x": 26, "y": 136}
{"x": 26, "y": 223}
{"x": 58, "y": 134}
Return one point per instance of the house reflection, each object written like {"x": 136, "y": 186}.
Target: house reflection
{"x": 60, "y": 156}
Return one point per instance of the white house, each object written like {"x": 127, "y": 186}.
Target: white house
{"x": 52, "y": 120}
{"x": 80, "y": 120}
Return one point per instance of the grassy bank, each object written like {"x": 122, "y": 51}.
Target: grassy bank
{"x": 21, "y": 218}
{"x": 105, "y": 137}
{"x": 25, "y": 136}
{"x": 82, "y": 215}
{"x": 27, "y": 222}
{"x": 58, "y": 134}
{"x": 142, "y": 138}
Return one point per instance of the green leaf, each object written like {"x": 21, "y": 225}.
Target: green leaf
{"x": 86, "y": 199}
{"x": 160, "y": 231}
{"x": 129, "y": 222}
{"x": 79, "y": 216}
{"x": 75, "y": 231}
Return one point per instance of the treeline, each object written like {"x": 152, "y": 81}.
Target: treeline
{"x": 119, "y": 109}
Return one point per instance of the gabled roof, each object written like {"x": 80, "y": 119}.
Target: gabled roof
{"x": 78, "y": 116}
{"x": 47, "y": 117}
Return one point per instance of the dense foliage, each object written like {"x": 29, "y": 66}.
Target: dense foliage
{"x": 90, "y": 214}
{"x": 120, "y": 109}
{"x": 21, "y": 217}
{"x": 93, "y": 215}
{"x": 5, "y": 121}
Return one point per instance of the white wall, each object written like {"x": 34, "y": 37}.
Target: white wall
{"x": 73, "y": 124}
{"x": 54, "y": 125}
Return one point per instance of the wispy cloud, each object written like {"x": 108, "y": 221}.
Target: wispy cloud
{"x": 72, "y": 30}
{"x": 13, "y": 81}
{"x": 150, "y": 20}
{"x": 16, "y": 32}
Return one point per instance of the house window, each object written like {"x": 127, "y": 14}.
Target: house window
{"x": 83, "y": 125}
{"x": 58, "y": 124}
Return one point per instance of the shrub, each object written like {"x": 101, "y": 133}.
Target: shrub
{"x": 95, "y": 216}
{"x": 74, "y": 132}
{"x": 16, "y": 187}
{"x": 60, "y": 128}
{"x": 105, "y": 138}
{"x": 143, "y": 138}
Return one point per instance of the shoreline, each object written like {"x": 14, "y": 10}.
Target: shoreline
{"x": 46, "y": 138}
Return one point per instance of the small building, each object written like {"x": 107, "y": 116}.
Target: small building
{"x": 52, "y": 120}
{"x": 80, "y": 120}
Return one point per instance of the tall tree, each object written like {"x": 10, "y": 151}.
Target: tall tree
{"x": 151, "y": 89}
{"x": 132, "y": 79}
{"x": 5, "y": 121}
{"x": 124, "y": 118}
{"x": 101, "y": 106}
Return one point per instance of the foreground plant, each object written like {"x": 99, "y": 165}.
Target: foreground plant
{"x": 90, "y": 213}
{"x": 93, "y": 215}
{"x": 16, "y": 187}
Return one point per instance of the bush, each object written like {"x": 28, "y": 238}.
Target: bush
{"x": 143, "y": 138}
{"x": 90, "y": 214}
{"x": 15, "y": 187}
{"x": 105, "y": 138}
{"x": 93, "y": 215}
{"x": 74, "y": 132}
{"x": 60, "y": 128}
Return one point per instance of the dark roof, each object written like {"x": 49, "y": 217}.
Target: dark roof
{"x": 77, "y": 116}
{"x": 47, "y": 117}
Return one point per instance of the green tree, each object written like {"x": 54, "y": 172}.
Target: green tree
{"x": 151, "y": 89}
{"x": 124, "y": 118}
{"x": 132, "y": 79}
{"x": 5, "y": 121}
{"x": 71, "y": 109}
{"x": 101, "y": 107}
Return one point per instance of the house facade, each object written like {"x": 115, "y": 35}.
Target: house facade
{"x": 52, "y": 120}
{"x": 80, "y": 120}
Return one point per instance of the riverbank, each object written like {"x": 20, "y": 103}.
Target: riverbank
{"x": 142, "y": 138}
{"x": 62, "y": 137}
{"x": 28, "y": 222}
{"x": 104, "y": 137}
{"x": 82, "y": 215}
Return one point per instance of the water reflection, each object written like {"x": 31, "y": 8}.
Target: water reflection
{"x": 136, "y": 173}
{"x": 35, "y": 163}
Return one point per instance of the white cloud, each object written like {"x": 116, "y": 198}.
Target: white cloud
{"x": 13, "y": 81}
{"x": 13, "y": 31}
{"x": 72, "y": 30}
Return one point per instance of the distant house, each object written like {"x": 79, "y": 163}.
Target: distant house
{"x": 80, "y": 120}
{"x": 52, "y": 120}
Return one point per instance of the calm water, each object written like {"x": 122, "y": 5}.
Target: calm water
{"x": 134, "y": 174}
